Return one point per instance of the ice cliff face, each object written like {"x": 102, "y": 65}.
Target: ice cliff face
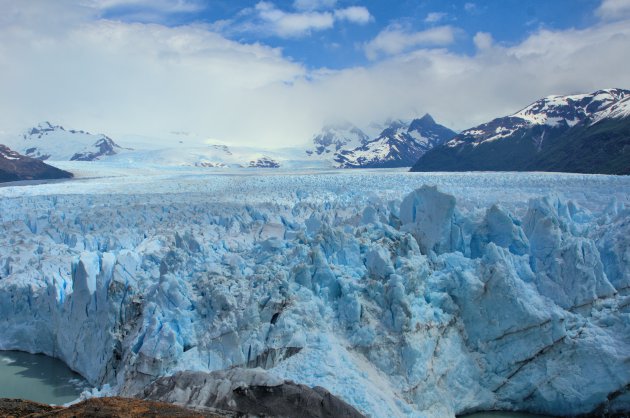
{"x": 411, "y": 300}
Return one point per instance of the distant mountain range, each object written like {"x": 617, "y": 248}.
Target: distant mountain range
{"x": 400, "y": 144}
{"x": 585, "y": 133}
{"x": 14, "y": 166}
{"x": 49, "y": 142}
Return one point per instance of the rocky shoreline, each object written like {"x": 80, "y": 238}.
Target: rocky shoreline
{"x": 100, "y": 407}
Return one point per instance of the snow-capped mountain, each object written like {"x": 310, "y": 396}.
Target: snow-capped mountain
{"x": 337, "y": 137}
{"x": 577, "y": 133}
{"x": 399, "y": 145}
{"x": 14, "y": 166}
{"x": 53, "y": 142}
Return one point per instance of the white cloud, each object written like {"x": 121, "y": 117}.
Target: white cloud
{"x": 147, "y": 11}
{"x": 614, "y": 9}
{"x": 396, "y": 39}
{"x": 354, "y": 14}
{"x": 149, "y": 79}
{"x": 483, "y": 40}
{"x": 266, "y": 19}
{"x": 285, "y": 24}
{"x": 166, "y": 6}
{"x": 314, "y": 4}
{"x": 114, "y": 77}
{"x": 435, "y": 17}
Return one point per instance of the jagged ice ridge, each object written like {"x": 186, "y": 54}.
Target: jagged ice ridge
{"x": 403, "y": 294}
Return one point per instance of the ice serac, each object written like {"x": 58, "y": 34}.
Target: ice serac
{"x": 431, "y": 218}
{"x": 584, "y": 133}
{"x": 399, "y": 299}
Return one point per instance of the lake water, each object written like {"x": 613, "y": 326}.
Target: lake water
{"x": 38, "y": 378}
{"x": 497, "y": 414}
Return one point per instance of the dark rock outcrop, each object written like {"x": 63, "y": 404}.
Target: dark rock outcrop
{"x": 14, "y": 167}
{"x": 264, "y": 162}
{"x": 248, "y": 392}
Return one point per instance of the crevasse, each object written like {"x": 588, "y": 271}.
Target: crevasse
{"x": 410, "y": 302}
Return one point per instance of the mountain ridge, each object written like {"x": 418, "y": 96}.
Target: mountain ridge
{"x": 47, "y": 141}
{"x": 399, "y": 143}
{"x": 584, "y": 133}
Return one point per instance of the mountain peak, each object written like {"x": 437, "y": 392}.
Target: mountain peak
{"x": 399, "y": 145}
{"x": 427, "y": 119}
{"x": 43, "y": 127}
{"x": 573, "y": 109}
{"x": 337, "y": 136}
{"x": 425, "y": 122}
{"x": 47, "y": 141}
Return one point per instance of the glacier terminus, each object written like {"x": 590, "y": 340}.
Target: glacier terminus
{"x": 402, "y": 294}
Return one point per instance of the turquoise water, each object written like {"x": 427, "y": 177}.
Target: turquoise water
{"x": 38, "y": 378}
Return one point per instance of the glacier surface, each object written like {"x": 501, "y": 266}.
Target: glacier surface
{"x": 405, "y": 294}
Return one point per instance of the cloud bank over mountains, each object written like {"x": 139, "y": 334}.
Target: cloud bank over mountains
{"x": 71, "y": 62}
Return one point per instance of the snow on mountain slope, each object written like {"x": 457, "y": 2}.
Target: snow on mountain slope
{"x": 53, "y": 142}
{"x": 399, "y": 145}
{"x": 585, "y": 133}
{"x": 336, "y": 137}
{"x": 493, "y": 291}
{"x": 553, "y": 111}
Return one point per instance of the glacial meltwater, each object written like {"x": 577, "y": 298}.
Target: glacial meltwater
{"x": 498, "y": 414}
{"x": 39, "y": 378}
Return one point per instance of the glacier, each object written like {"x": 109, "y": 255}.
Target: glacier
{"x": 404, "y": 294}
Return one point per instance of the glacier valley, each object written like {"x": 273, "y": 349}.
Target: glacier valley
{"x": 403, "y": 294}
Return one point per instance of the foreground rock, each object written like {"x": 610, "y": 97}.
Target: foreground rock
{"x": 248, "y": 392}
{"x": 22, "y": 408}
{"x": 96, "y": 407}
{"x": 99, "y": 407}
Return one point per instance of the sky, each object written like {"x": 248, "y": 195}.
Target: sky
{"x": 270, "y": 73}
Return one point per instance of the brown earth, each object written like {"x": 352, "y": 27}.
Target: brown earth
{"x": 99, "y": 408}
